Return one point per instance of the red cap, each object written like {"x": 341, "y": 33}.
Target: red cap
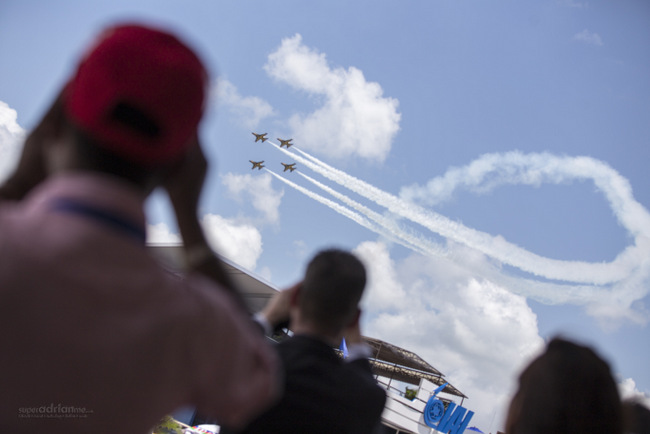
{"x": 135, "y": 75}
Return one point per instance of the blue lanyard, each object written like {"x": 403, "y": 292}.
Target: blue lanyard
{"x": 106, "y": 217}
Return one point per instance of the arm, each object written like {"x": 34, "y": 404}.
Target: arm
{"x": 31, "y": 168}
{"x": 184, "y": 185}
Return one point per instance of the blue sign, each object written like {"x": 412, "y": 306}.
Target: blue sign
{"x": 450, "y": 421}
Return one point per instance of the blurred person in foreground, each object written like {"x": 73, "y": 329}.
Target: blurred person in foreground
{"x": 568, "y": 389}
{"x": 323, "y": 393}
{"x": 96, "y": 337}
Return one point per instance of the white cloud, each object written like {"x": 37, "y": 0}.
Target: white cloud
{"x": 477, "y": 333}
{"x": 248, "y": 110}
{"x": 161, "y": 234}
{"x": 258, "y": 190}
{"x": 241, "y": 243}
{"x": 588, "y": 38}
{"x": 354, "y": 119}
{"x": 383, "y": 289}
{"x": 11, "y": 138}
{"x": 628, "y": 390}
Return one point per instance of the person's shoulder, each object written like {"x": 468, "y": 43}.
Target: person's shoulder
{"x": 307, "y": 345}
{"x": 360, "y": 372}
{"x": 289, "y": 347}
{"x": 304, "y": 354}
{"x": 192, "y": 301}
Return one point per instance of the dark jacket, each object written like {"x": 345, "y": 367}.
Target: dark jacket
{"x": 323, "y": 393}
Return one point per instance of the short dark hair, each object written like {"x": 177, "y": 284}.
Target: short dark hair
{"x": 568, "y": 389}
{"x": 332, "y": 288}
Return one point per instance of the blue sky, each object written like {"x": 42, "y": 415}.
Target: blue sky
{"x": 488, "y": 161}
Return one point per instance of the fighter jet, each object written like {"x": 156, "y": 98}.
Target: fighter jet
{"x": 261, "y": 137}
{"x": 291, "y": 167}
{"x": 257, "y": 164}
{"x": 285, "y": 142}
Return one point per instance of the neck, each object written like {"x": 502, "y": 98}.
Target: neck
{"x": 308, "y": 329}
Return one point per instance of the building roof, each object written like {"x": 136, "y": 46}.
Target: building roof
{"x": 255, "y": 291}
{"x": 396, "y": 363}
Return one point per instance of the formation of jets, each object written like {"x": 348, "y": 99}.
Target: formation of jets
{"x": 258, "y": 164}
{"x": 261, "y": 137}
{"x": 286, "y": 143}
{"x": 291, "y": 167}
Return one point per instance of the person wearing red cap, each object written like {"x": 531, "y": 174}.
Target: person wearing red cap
{"x": 96, "y": 337}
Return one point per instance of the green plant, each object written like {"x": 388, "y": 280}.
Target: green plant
{"x": 410, "y": 394}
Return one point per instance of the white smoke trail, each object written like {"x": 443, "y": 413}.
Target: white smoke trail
{"x": 611, "y": 299}
{"x": 493, "y": 170}
{"x": 354, "y": 216}
{"x": 542, "y": 291}
{"x": 412, "y": 241}
{"x": 495, "y": 247}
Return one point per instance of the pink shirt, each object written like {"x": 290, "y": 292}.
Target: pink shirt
{"x": 96, "y": 338}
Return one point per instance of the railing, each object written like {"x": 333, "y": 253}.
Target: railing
{"x": 406, "y": 368}
{"x": 402, "y": 413}
{"x": 406, "y": 414}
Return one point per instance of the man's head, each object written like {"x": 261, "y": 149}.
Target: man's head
{"x": 331, "y": 290}
{"x": 568, "y": 389}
